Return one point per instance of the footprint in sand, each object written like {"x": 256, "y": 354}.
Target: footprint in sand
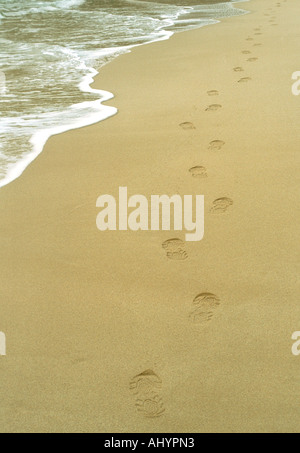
{"x": 216, "y": 145}
{"x": 257, "y": 44}
{"x": 258, "y": 34}
{"x": 204, "y": 307}
{"x": 175, "y": 249}
{"x": 221, "y": 205}
{"x": 198, "y": 172}
{"x": 213, "y": 93}
{"x": 238, "y": 69}
{"x": 250, "y": 39}
{"x": 246, "y": 52}
{"x": 187, "y": 126}
{"x": 245, "y": 80}
{"x": 146, "y": 388}
{"x": 213, "y": 108}
{"x": 251, "y": 60}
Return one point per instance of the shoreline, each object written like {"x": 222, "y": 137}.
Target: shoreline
{"x": 40, "y": 138}
{"x": 88, "y": 314}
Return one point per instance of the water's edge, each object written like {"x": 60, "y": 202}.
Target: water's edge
{"x": 99, "y": 112}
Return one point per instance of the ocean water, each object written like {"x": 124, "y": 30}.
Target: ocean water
{"x": 51, "y": 50}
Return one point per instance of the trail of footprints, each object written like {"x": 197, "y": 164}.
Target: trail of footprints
{"x": 175, "y": 248}
{"x": 146, "y": 387}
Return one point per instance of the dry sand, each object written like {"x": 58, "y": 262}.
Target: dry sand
{"x": 84, "y": 312}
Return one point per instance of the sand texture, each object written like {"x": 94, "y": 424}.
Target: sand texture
{"x": 123, "y": 331}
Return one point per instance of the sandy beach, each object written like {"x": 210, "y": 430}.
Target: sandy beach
{"x": 93, "y": 320}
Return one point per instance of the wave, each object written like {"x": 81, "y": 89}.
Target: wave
{"x": 13, "y": 10}
{"x": 66, "y": 4}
